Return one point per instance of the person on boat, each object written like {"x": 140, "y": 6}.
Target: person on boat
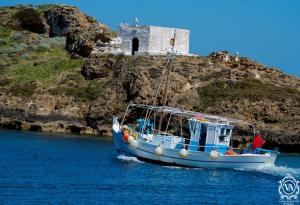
{"x": 248, "y": 146}
{"x": 258, "y": 142}
{"x": 140, "y": 124}
{"x": 149, "y": 126}
{"x": 145, "y": 125}
{"x": 242, "y": 147}
{"x": 230, "y": 151}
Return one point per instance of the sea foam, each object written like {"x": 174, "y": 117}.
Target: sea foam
{"x": 129, "y": 158}
{"x": 277, "y": 170}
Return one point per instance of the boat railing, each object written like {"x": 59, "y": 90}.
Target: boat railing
{"x": 164, "y": 133}
{"x": 214, "y": 147}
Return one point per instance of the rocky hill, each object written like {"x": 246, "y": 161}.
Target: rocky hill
{"x": 52, "y": 81}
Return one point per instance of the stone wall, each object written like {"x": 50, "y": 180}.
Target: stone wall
{"x": 114, "y": 46}
{"x": 160, "y": 40}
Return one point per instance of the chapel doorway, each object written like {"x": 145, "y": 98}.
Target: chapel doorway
{"x": 135, "y": 45}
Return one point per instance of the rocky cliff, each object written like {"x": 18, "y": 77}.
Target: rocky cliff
{"x": 51, "y": 82}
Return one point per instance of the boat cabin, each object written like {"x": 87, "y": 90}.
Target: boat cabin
{"x": 205, "y": 135}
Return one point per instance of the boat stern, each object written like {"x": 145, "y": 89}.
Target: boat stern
{"x": 272, "y": 155}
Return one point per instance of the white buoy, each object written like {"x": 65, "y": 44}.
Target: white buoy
{"x": 158, "y": 151}
{"x": 213, "y": 154}
{"x": 130, "y": 138}
{"x": 183, "y": 152}
{"x": 134, "y": 144}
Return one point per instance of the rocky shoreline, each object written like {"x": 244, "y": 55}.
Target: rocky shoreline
{"x": 52, "y": 80}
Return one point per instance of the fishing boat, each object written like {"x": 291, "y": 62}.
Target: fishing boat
{"x": 173, "y": 136}
{"x": 209, "y": 139}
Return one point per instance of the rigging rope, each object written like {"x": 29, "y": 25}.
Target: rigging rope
{"x": 161, "y": 81}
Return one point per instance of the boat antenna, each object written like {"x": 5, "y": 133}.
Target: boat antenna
{"x": 169, "y": 66}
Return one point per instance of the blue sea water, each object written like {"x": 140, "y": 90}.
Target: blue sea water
{"x": 38, "y": 168}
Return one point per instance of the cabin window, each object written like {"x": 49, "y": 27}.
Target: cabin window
{"x": 223, "y": 131}
{"x": 227, "y": 132}
{"x": 221, "y": 138}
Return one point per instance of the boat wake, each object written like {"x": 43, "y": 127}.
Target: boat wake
{"x": 129, "y": 158}
{"x": 277, "y": 170}
{"x": 274, "y": 170}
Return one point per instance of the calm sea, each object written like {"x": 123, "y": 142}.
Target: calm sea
{"x": 37, "y": 168}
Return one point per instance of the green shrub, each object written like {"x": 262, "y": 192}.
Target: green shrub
{"x": 251, "y": 89}
{"x": 31, "y": 20}
{"x": 85, "y": 93}
{"x": 43, "y": 67}
{"x": 58, "y": 42}
{"x": 3, "y": 42}
{"x": 23, "y": 89}
{"x": 81, "y": 92}
{"x": 4, "y": 81}
{"x": 17, "y": 37}
{"x": 41, "y": 47}
{"x": 25, "y": 56}
{"x": 5, "y": 32}
{"x": 45, "y": 7}
{"x": 13, "y": 50}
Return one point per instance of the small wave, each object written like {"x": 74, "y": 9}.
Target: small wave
{"x": 178, "y": 167}
{"x": 173, "y": 167}
{"x": 129, "y": 158}
{"x": 277, "y": 170}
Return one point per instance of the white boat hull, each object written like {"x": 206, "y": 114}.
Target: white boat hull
{"x": 146, "y": 151}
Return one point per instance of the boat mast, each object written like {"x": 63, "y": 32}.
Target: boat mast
{"x": 168, "y": 67}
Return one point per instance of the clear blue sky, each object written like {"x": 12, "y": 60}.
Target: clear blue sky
{"x": 267, "y": 31}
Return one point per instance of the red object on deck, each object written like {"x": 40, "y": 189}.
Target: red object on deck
{"x": 125, "y": 136}
{"x": 258, "y": 142}
{"x": 230, "y": 152}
